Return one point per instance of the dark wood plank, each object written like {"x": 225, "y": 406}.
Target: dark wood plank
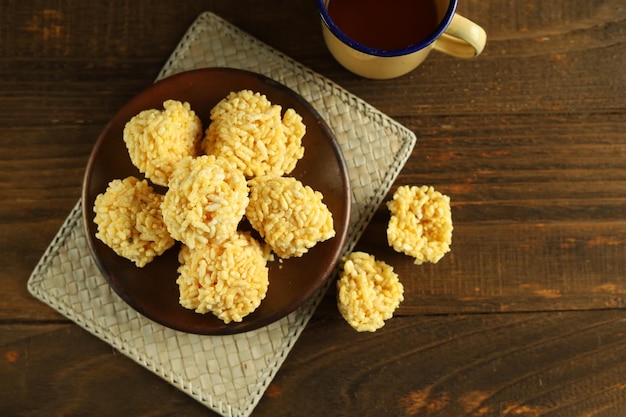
{"x": 480, "y": 365}
{"x": 60, "y": 370}
{"x": 558, "y": 364}
{"x": 538, "y": 216}
{"x": 528, "y": 140}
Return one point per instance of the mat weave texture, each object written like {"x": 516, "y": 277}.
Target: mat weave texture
{"x": 228, "y": 374}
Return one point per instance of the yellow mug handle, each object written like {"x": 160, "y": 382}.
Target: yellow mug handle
{"x": 462, "y": 39}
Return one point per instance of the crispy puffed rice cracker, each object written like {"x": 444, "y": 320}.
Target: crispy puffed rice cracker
{"x": 368, "y": 292}
{"x": 228, "y": 279}
{"x": 158, "y": 139}
{"x": 247, "y": 129}
{"x": 421, "y": 223}
{"x": 128, "y": 215}
{"x": 291, "y": 217}
{"x": 206, "y": 200}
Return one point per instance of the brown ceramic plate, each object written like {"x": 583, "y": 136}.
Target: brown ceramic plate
{"x": 152, "y": 290}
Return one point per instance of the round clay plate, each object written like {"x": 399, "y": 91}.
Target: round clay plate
{"x": 152, "y": 290}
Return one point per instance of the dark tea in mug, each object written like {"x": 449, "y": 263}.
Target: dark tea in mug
{"x": 385, "y": 24}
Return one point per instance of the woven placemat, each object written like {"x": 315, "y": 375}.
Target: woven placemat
{"x": 228, "y": 374}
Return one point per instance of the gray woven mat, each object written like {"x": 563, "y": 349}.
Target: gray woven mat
{"x": 228, "y": 374}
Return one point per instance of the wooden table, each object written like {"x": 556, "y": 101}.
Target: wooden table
{"x": 523, "y": 318}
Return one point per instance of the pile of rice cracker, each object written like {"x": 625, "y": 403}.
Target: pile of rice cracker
{"x": 238, "y": 167}
{"x": 420, "y": 226}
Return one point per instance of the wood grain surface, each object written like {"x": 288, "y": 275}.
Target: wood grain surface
{"x": 522, "y": 318}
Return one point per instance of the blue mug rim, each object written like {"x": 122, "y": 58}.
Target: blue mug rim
{"x": 441, "y": 27}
